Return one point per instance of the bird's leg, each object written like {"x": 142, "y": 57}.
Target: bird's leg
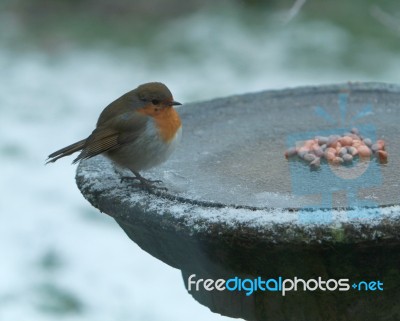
{"x": 143, "y": 182}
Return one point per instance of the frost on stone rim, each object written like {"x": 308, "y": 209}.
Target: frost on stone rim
{"x": 97, "y": 177}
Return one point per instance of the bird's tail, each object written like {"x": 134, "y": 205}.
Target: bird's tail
{"x": 66, "y": 151}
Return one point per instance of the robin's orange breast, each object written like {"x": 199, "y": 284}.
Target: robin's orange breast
{"x": 167, "y": 120}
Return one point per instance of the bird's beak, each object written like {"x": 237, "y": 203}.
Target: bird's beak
{"x": 175, "y": 103}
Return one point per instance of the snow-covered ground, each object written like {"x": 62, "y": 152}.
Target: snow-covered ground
{"x": 59, "y": 257}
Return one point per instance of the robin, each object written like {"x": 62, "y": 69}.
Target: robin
{"x": 137, "y": 131}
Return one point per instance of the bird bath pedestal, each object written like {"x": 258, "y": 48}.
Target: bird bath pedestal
{"x": 235, "y": 207}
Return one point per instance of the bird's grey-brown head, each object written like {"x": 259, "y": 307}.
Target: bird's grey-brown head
{"x": 155, "y": 93}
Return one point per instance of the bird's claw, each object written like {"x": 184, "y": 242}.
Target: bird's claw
{"x": 144, "y": 182}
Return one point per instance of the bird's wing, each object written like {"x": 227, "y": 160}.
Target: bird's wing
{"x": 112, "y": 134}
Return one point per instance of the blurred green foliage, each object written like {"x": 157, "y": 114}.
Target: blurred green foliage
{"x": 53, "y": 22}
{"x": 55, "y": 300}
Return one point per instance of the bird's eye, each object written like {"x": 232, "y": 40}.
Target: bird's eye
{"x": 155, "y": 102}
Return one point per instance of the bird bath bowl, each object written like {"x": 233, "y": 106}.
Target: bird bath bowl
{"x": 235, "y": 207}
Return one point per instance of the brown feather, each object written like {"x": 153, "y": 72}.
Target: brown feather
{"x": 70, "y": 149}
{"x": 114, "y": 133}
{"x": 101, "y": 140}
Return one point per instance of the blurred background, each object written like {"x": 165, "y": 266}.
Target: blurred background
{"x": 62, "y": 62}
